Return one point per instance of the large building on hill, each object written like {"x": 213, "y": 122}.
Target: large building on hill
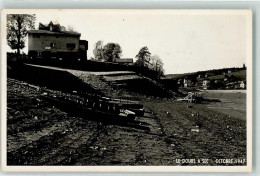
{"x": 50, "y": 42}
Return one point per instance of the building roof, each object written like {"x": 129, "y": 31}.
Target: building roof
{"x": 124, "y": 60}
{"x": 54, "y": 33}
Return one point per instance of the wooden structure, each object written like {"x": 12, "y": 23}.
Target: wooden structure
{"x": 104, "y": 106}
{"x": 192, "y": 97}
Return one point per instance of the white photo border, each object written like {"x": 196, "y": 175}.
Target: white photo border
{"x": 247, "y": 168}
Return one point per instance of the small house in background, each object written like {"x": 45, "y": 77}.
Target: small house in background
{"x": 124, "y": 61}
{"x": 229, "y": 71}
{"x": 242, "y": 84}
{"x": 179, "y": 83}
{"x": 187, "y": 82}
{"x": 206, "y": 84}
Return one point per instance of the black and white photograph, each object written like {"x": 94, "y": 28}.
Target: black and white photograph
{"x": 168, "y": 89}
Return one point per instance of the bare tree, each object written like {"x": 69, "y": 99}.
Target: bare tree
{"x": 157, "y": 65}
{"x": 71, "y": 28}
{"x": 98, "y": 51}
{"x": 17, "y": 29}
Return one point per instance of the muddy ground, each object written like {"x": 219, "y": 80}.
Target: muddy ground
{"x": 39, "y": 133}
{"x": 232, "y": 102}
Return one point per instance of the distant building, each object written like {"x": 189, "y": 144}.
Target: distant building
{"x": 50, "y": 42}
{"x": 242, "y": 84}
{"x": 187, "y": 83}
{"x": 179, "y": 83}
{"x": 229, "y": 71}
{"x": 205, "y": 84}
{"x": 124, "y": 61}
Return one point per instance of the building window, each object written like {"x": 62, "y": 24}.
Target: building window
{"x": 52, "y": 45}
{"x": 71, "y": 45}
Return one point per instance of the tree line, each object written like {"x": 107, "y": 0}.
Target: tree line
{"x": 112, "y": 51}
{"x": 108, "y": 53}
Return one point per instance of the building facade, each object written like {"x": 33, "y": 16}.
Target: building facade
{"x": 206, "y": 84}
{"x": 62, "y": 45}
{"x": 187, "y": 83}
{"x": 242, "y": 84}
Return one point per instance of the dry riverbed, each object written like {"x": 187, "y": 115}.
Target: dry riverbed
{"x": 39, "y": 133}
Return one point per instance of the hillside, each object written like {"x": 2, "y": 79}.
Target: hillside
{"x": 239, "y": 75}
{"x": 227, "y": 78}
{"x": 239, "y": 72}
{"x": 116, "y": 84}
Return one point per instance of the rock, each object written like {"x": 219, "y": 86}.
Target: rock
{"x": 104, "y": 148}
{"x": 195, "y": 130}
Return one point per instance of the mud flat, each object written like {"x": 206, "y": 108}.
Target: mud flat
{"x": 39, "y": 133}
{"x": 200, "y": 132}
{"x": 42, "y": 134}
{"x": 233, "y": 102}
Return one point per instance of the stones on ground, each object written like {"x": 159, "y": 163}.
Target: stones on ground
{"x": 195, "y": 130}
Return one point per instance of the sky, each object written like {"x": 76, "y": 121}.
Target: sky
{"x": 185, "y": 41}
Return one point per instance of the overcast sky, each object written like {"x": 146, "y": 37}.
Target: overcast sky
{"x": 186, "y": 42}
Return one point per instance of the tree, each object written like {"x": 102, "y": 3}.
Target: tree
{"x": 71, "y": 28}
{"x": 98, "y": 50}
{"x": 143, "y": 57}
{"x": 63, "y": 28}
{"x": 17, "y": 29}
{"x": 157, "y": 65}
{"x": 111, "y": 52}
